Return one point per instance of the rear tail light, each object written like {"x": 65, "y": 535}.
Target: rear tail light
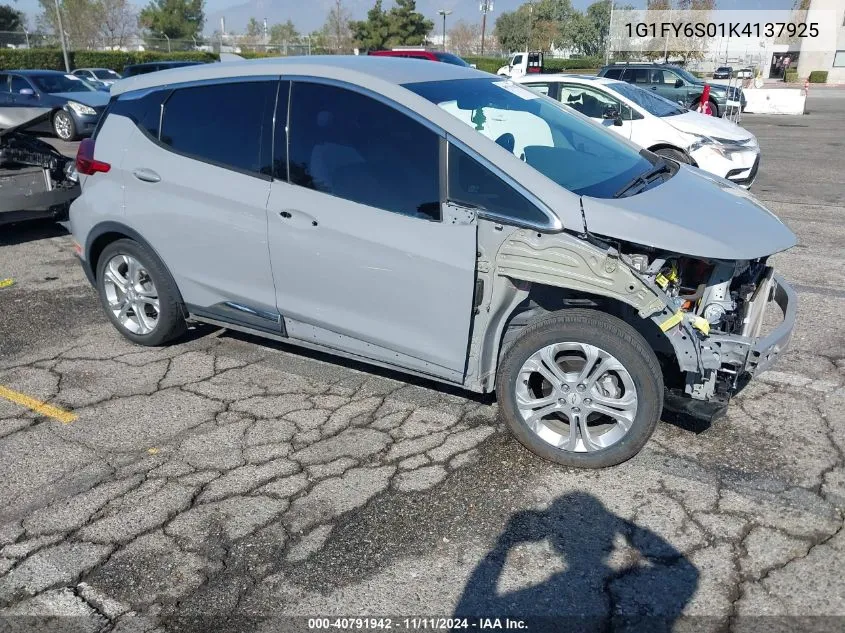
{"x": 85, "y": 161}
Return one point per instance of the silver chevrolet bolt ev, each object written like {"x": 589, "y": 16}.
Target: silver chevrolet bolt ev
{"x": 437, "y": 220}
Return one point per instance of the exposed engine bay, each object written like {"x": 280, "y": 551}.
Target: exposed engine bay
{"x": 34, "y": 176}
{"x": 718, "y": 306}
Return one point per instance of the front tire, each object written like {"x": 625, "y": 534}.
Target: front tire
{"x": 138, "y": 294}
{"x": 675, "y": 154}
{"x": 581, "y": 388}
{"x": 64, "y": 126}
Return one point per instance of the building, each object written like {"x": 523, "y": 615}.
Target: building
{"x": 833, "y": 61}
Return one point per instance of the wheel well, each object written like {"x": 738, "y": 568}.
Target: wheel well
{"x": 712, "y": 101}
{"x": 98, "y": 246}
{"x": 543, "y": 300}
{"x": 654, "y": 148}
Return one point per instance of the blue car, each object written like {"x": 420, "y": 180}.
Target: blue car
{"x": 75, "y": 106}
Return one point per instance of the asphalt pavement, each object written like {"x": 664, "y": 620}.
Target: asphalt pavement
{"x": 227, "y": 483}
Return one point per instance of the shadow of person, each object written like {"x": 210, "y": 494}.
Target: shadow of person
{"x": 645, "y": 588}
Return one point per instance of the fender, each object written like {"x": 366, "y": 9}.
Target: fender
{"x": 565, "y": 261}
{"x": 94, "y": 245}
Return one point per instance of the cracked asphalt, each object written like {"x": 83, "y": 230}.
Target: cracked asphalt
{"x": 228, "y": 483}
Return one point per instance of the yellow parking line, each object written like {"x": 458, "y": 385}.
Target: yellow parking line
{"x": 65, "y": 417}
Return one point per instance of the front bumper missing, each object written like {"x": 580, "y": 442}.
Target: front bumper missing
{"x": 765, "y": 350}
{"x": 726, "y": 362}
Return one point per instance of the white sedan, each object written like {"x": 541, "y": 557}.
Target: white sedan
{"x": 666, "y": 128}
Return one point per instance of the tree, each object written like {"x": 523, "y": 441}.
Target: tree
{"x": 372, "y": 34}
{"x": 177, "y": 19}
{"x": 464, "y": 38}
{"x": 10, "y": 19}
{"x": 118, "y": 21}
{"x": 407, "y": 26}
{"x": 336, "y": 28}
{"x": 283, "y": 32}
{"x": 81, "y": 20}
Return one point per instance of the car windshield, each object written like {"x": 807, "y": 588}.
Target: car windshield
{"x": 57, "y": 83}
{"x": 688, "y": 76}
{"x": 105, "y": 73}
{"x": 649, "y": 101}
{"x": 448, "y": 58}
{"x": 564, "y": 146}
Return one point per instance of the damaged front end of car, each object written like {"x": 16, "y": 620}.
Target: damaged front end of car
{"x": 704, "y": 251}
{"x": 714, "y": 320}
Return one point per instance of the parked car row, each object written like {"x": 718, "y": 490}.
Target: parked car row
{"x": 444, "y": 222}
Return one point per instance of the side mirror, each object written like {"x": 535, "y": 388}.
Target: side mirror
{"x": 679, "y": 83}
{"x": 611, "y": 112}
{"x": 27, "y": 92}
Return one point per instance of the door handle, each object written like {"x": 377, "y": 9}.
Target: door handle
{"x": 287, "y": 214}
{"x": 147, "y": 175}
{"x": 654, "y": 87}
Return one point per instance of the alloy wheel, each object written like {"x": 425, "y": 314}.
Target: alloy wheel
{"x": 131, "y": 294}
{"x": 576, "y": 397}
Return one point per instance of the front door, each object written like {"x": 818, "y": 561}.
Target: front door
{"x": 596, "y": 104}
{"x": 362, "y": 258}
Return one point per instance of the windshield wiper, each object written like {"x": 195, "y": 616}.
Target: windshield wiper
{"x": 645, "y": 179}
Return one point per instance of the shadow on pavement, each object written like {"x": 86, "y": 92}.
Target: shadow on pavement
{"x": 645, "y": 589}
{"x": 30, "y": 230}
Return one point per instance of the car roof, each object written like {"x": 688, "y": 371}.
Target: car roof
{"x": 35, "y": 73}
{"x": 91, "y": 68}
{"x": 580, "y": 79}
{"x": 358, "y": 69}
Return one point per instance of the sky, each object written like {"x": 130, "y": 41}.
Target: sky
{"x": 310, "y": 14}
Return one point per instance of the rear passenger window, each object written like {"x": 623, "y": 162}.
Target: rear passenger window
{"x": 144, "y": 110}
{"x": 473, "y": 185}
{"x": 227, "y": 124}
{"x": 638, "y": 76}
{"x": 354, "y": 147}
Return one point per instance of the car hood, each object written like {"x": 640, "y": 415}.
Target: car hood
{"x": 703, "y": 125}
{"x": 693, "y": 213}
{"x": 94, "y": 98}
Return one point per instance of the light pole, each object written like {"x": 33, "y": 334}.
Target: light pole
{"x": 485, "y": 7}
{"x": 26, "y": 35}
{"x": 62, "y": 36}
{"x": 168, "y": 41}
{"x": 444, "y": 13}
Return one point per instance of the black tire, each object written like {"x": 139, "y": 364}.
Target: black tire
{"x": 608, "y": 333}
{"x": 171, "y": 321}
{"x": 65, "y": 129}
{"x": 675, "y": 154}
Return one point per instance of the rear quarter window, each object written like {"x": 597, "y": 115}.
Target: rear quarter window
{"x": 143, "y": 110}
{"x": 613, "y": 73}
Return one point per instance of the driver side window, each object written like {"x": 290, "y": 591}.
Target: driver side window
{"x": 587, "y": 101}
{"x": 474, "y": 185}
{"x": 18, "y": 84}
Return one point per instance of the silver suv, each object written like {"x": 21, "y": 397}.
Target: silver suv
{"x": 438, "y": 220}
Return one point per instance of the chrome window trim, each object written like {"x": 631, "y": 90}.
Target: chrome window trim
{"x": 143, "y": 92}
{"x": 554, "y": 226}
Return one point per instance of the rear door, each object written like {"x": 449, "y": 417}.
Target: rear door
{"x": 197, "y": 191}
{"x": 363, "y": 258}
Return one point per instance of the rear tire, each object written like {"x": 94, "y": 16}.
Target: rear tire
{"x": 139, "y": 295}
{"x": 595, "y": 415}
